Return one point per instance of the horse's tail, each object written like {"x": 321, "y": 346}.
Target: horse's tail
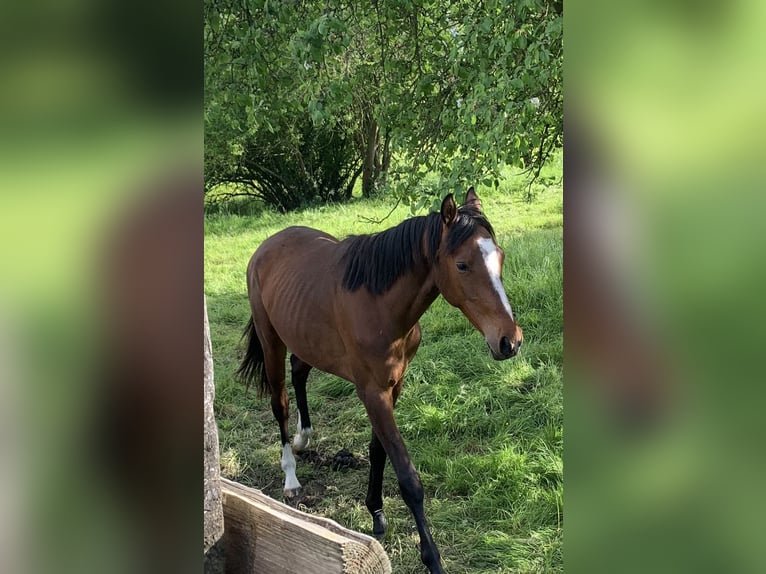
{"x": 252, "y": 368}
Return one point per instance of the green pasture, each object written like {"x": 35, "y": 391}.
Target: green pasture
{"x": 485, "y": 436}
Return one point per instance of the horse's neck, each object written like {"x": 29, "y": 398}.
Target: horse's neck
{"x": 414, "y": 293}
{"x": 410, "y": 297}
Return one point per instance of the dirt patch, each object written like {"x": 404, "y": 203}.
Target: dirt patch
{"x": 341, "y": 460}
{"x": 313, "y": 491}
{"x": 309, "y": 496}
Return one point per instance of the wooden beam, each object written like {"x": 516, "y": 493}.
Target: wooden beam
{"x": 263, "y": 536}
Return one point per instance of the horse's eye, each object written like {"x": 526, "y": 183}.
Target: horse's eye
{"x": 462, "y": 267}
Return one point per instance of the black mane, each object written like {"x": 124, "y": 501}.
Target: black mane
{"x": 376, "y": 261}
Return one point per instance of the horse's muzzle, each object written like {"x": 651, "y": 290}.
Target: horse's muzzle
{"x": 506, "y": 349}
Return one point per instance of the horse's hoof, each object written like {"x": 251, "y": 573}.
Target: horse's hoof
{"x": 302, "y": 439}
{"x": 379, "y": 525}
{"x": 291, "y": 492}
{"x": 432, "y": 560}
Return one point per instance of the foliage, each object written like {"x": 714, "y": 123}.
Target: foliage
{"x": 258, "y": 135}
{"x": 405, "y": 87}
{"x": 485, "y": 436}
{"x": 481, "y": 88}
{"x": 308, "y": 163}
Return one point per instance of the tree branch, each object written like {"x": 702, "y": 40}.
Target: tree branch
{"x": 379, "y": 221}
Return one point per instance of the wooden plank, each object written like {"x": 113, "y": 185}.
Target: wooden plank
{"x": 264, "y": 536}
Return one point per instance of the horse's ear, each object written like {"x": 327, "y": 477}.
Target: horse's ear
{"x": 449, "y": 210}
{"x": 472, "y": 200}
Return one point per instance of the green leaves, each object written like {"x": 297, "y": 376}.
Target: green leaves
{"x": 488, "y": 69}
{"x": 449, "y": 84}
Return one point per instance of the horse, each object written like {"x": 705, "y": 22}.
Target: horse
{"x": 351, "y": 308}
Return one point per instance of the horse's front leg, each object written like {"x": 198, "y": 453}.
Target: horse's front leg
{"x": 380, "y": 408}
{"x": 374, "y": 500}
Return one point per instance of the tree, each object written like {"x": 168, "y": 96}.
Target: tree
{"x": 258, "y": 134}
{"x": 410, "y": 86}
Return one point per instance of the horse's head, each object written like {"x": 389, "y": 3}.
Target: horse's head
{"x": 468, "y": 273}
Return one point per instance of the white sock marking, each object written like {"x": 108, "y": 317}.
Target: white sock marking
{"x": 491, "y": 257}
{"x": 288, "y": 465}
{"x": 301, "y": 439}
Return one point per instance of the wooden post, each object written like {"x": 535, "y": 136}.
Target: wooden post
{"x": 213, "y": 509}
{"x": 264, "y": 536}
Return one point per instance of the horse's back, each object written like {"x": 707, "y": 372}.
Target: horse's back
{"x": 298, "y": 237}
{"x": 294, "y": 248}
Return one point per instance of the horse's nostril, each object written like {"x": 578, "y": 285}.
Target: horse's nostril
{"x": 505, "y": 347}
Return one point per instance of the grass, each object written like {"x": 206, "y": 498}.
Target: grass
{"x": 485, "y": 436}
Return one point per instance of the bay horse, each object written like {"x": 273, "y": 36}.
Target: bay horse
{"x": 351, "y": 308}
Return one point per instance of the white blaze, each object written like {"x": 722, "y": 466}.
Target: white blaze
{"x": 491, "y": 257}
{"x": 288, "y": 465}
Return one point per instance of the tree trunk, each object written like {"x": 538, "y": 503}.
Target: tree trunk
{"x": 371, "y": 135}
{"x": 351, "y": 182}
{"x": 386, "y": 160}
{"x": 213, "y": 508}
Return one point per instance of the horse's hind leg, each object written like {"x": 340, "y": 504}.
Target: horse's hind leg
{"x": 274, "y": 352}
{"x": 275, "y": 370}
{"x": 300, "y": 373}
